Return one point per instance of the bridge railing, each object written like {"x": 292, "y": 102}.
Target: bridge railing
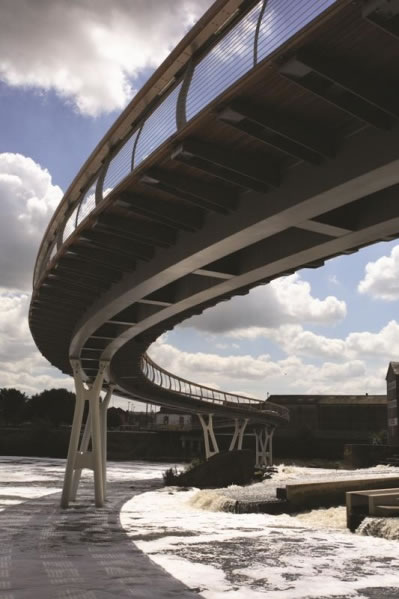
{"x": 247, "y": 39}
{"x": 170, "y": 382}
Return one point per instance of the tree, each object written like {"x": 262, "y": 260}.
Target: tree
{"x": 12, "y": 406}
{"x": 116, "y": 417}
{"x": 54, "y": 405}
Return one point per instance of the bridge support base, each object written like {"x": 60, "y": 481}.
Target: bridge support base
{"x": 238, "y": 436}
{"x": 264, "y": 446}
{"x": 211, "y": 446}
{"x": 79, "y": 456}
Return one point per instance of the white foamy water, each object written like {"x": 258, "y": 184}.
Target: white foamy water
{"x": 223, "y": 555}
{"x": 329, "y": 518}
{"x": 212, "y": 500}
{"x": 293, "y": 474}
{"x": 259, "y": 556}
{"x": 386, "y": 528}
{"x": 23, "y": 478}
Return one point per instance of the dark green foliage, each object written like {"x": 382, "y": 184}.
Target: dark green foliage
{"x": 171, "y": 477}
{"x": 115, "y": 417}
{"x": 52, "y": 405}
{"x": 12, "y": 406}
{"x": 379, "y": 438}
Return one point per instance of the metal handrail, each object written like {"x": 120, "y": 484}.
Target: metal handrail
{"x": 168, "y": 381}
{"x": 142, "y": 110}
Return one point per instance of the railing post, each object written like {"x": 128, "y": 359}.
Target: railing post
{"x": 257, "y": 31}
{"x": 181, "y": 113}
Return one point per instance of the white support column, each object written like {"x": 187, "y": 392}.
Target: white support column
{"x": 82, "y": 458}
{"x": 239, "y": 429}
{"x": 103, "y": 417}
{"x": 211, "y": 446}
{"x": 264, "y": 453}
{"x": 84, "y": 446}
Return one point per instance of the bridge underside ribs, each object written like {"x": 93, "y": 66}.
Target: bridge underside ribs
{"x": 332, "y": 78}
{"x": 383, "y": 14}
{"x": 279, "y": 131}
{"x": 257, "y": 172}
{"x": 195, "y": 191}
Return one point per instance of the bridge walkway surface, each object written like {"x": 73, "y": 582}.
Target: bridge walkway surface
{"x": 48, "y": 553}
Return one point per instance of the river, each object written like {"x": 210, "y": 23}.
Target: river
{"x": 222, "y": 555}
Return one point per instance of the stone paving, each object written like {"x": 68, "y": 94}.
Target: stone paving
{"x": 79, "y": 553}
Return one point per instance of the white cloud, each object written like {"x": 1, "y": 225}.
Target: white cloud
{"x": 333, "y": 280}
{"x": 28, "y": 199}
{"x": 381, "y": 279}
{"x": 257, "y": 375}
{"x": 295, "y": 340}
{"x": 89, "y": 52}
{"x": 383, "y": 344}
{"x": 21, "y": 365}
{"x": 285, "y": 300}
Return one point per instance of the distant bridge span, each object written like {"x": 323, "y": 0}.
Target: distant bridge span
{"x": 266, "y": 142}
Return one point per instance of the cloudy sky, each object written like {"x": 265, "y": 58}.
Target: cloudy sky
{"x": 67, "y": 69}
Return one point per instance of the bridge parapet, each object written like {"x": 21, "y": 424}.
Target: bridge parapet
{"x": 239, "y": 35}
{"x": 161, "y": 377}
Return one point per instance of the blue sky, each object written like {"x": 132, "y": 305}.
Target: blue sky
{"x": 331, "y": 330}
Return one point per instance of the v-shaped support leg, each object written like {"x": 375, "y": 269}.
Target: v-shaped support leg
{"x": 95, "y": 428}
{"x": 211, "y": 446}
{"x": 264, "y": 446}
{"x": 238, "y": 436}
{"x": 84, "y": 444}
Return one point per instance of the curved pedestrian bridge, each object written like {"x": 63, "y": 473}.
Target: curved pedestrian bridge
{"x": 265, "y": 143}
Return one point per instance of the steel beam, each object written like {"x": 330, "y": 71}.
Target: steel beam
{"x": 257, "y": 172}
{"x": 384, "y": 14}
{"x": 278, "y": 130}
{"x": 136, "y": 229}
{"x": 178, "y": 217}
{"x": 342, "y": 84}
{"x": 215, "y": 198}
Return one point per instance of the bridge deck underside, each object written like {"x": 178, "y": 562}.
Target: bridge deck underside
{"x": 294, "y": 164}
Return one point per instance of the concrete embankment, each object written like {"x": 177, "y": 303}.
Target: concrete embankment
{"x": 325, "y": 494}
{"x": 304, "y": 496}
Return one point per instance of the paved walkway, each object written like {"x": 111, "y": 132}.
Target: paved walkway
{"x": 79, "y": 553}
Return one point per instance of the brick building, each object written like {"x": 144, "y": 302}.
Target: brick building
{"x": 392, "y": 379}
{"x": 321, "y": 425}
